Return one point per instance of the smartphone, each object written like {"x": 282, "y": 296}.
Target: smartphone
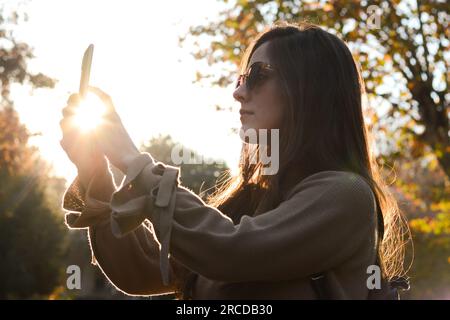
{"x": 86, "y": 70}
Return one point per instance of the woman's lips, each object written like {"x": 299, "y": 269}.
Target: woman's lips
{"x": 245, "y": 113}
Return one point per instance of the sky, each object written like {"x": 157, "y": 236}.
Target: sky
{"x": 138, "y": 61}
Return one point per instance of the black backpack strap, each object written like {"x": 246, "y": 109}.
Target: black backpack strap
{"x": 400, "y": 283}
{"x": 187, "y": 293}
{"x": 319, "y": 284}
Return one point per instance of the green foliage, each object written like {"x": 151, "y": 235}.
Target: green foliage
{"x": 423, "y": 191}
{"x": 14, "y": 57}
{"x": 32, "y": 236}
{"x": 430, "y": 276}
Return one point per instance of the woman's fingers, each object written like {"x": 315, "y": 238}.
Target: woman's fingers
{"x": 112, "y": 140}
{"x": 69, "y": 111}
{"x": 100, "y": 93}
{"x": 72, "y": 103}
{"x": 70, "y": 143}
{"x": 79, "y": 146}
{"x": 67, "y": 125}
{"x": 105, "y": 98}
{"x": 74, "y": 99}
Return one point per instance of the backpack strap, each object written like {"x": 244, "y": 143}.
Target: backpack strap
{"x": 319, "y": 284}
{"x": 400, "y": 283}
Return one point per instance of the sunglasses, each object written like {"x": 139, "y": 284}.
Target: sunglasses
{"x": 256, "y": 74}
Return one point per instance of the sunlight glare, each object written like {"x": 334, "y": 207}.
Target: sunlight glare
{"x": 89, "y": 113}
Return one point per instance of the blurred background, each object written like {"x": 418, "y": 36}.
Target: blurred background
{"x": 157, "y": 59}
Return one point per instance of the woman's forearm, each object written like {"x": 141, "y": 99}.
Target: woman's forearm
{"x": 102, "y": 185}
{"x": 131, "y": 263}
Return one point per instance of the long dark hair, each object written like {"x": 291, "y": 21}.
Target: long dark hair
{"x": 322, "y": 129}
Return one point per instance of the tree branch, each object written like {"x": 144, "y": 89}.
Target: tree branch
{"x": 424, "y": 44}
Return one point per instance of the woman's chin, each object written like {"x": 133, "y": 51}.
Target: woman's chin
{"x": 253, "y": 135}
{"x": 248, "y": 134}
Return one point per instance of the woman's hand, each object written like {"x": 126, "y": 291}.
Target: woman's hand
{"x": 80, "y": 146}
{"x": 112, "y": 137}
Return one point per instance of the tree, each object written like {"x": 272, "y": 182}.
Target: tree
{"x": 423, "y": 192}
{"x": 402, "y": 46}
{"x": 14, "y": 56}
{"x": 32, "y": 237}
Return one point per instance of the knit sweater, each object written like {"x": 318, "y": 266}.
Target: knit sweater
{"x": 155, "y": 236}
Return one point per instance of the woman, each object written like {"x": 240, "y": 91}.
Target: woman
{"x": 309, "y": 231}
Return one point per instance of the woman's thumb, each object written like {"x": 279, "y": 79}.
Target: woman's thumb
{"x": 105, "y": 98}
{"x": 74, "y": 99}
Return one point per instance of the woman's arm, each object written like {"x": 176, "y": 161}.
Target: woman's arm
{"x": 131, "y": 263}
{"x": 329, "y": 217}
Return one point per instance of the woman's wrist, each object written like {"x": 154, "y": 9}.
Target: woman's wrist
{"x": 102, "y": 186}
{"x": 127, "y": 160}
{"x": 99, "y": 171}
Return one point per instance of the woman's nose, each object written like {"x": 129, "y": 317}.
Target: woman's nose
{"x": 240, "y": 93}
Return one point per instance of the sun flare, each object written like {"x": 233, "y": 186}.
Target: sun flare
{"x": 89, "y": 113}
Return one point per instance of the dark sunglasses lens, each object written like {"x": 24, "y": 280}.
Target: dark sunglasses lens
{"x": 253, "y": 75}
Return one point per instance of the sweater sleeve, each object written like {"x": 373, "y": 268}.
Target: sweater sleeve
{"x": 131, "y": 263}
{"x": 326, "y": 219}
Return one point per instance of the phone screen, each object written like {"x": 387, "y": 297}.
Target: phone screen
{"x": 86, "y": 70}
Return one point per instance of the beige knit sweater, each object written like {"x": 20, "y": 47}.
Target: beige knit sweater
{"x": 155, "y": 235}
